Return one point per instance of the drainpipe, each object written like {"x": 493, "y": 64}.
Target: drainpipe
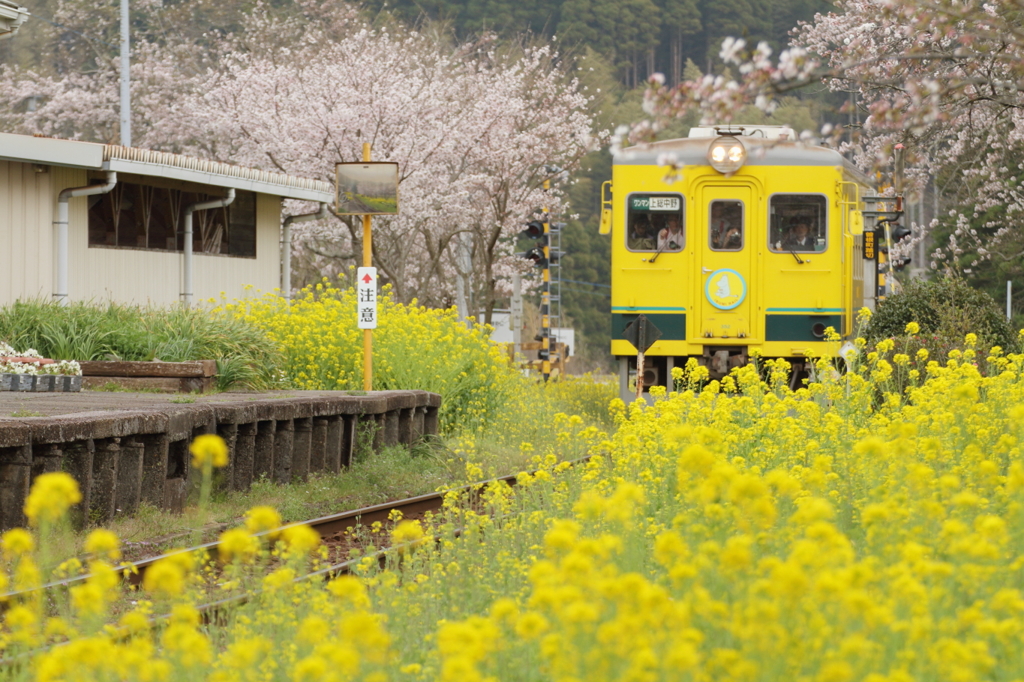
{"x": 286, "y": 246}
{"x": 186, "y": 295}
{"x": 60, "y": 225}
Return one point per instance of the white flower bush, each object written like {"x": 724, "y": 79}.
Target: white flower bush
{"x": 9, "y": 363}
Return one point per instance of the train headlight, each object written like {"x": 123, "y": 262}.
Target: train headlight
{"x": 727, "y": 154}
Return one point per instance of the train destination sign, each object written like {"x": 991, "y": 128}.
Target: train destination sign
{"x": 642, "y": 203}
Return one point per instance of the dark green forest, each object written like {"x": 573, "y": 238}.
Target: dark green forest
{"x": 638, "y": 37}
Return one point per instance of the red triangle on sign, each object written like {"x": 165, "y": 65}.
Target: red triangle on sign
{"x": 367, "y": 279}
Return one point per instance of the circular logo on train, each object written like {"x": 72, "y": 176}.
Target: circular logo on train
{"x": 725, "y": 289}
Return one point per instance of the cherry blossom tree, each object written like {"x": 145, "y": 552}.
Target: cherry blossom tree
{"x": 473, "y": 127}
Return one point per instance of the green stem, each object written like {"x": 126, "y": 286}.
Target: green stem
{"x": 204, "y": 500}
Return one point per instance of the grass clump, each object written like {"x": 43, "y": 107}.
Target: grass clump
{"x": 115, "y": 331}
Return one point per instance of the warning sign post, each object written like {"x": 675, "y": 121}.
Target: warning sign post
{"x": 367, "y": 189}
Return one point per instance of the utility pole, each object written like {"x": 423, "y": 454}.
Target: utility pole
{"x": 126, "y": 105}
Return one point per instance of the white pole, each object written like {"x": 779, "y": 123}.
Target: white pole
{"x": 1009, "y": 299}
{"x": 60, "y": 293}
{"x": 186, "y": 295}
{"x": 126, "y": 106}
{"x": 517, "y": 314}
{"x": 286, "y": 246}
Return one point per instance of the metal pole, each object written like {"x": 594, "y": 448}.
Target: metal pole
{"x": 545, "y": 297}
{"x": 517, "y": 314}
{"x": 186, "y": 294}
{"x": 126, "y": 105}
{"x": 367, "y": 263}
{"x": 1009, "y": 299}
{"x": 642, "y": 339}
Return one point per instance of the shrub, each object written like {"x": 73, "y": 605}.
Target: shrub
{"x": 91, "y": 331}
{"x": 946, "y": 309}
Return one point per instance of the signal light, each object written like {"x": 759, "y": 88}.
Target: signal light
{"x": 898, "y": 233}
{"x": 536, "y": 254}
{"x": 534, "y": 230}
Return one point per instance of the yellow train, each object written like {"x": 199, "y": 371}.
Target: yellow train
{"x": 758, "y": 244}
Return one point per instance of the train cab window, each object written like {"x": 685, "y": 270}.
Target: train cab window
{"x": 797, "y": 223}
{"x": 725, "y": 225}
{"x": 655, "y": 223}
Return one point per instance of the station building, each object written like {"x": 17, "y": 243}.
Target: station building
{"x": 91, "y": 222}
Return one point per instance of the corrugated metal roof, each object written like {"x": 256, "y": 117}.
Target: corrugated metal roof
{"x": 113, "y": 152}
{"x": 12, "y": 15}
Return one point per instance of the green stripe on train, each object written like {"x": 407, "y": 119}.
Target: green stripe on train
{"x": 798, "y": 327}
{"x": 672, "y": 326}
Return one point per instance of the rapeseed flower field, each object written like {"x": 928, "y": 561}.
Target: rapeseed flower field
{"x": 867, "y": 527}
{"x": 414, "y": 347}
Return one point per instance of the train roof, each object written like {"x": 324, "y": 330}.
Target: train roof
{"x": 760, "y": 152}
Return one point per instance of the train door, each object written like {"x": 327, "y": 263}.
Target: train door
{"x": 726, "y": 263}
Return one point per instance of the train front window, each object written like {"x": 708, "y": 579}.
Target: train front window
{"x": 797, "y": 223}
{"x": 725, "y": 225}
{"x": 655, "y": 222}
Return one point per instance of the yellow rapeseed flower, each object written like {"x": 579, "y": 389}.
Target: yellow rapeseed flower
{"x": 51, "y": 496}
{"x": 209, "y": 449}
{"x": 17, "y": 542}
{"x": 300, "y": 539}
{"x": 261, "y": 519}
{"x": 102, "y": 542}
{"x": 237, "y": 544}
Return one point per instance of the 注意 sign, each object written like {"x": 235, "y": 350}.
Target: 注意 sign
{"x": 366, "y": 298}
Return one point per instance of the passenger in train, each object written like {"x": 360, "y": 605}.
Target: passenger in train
{"x": 671, "y": 237}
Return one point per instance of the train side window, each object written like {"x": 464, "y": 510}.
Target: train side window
{"x": 797, "y": 223}
{"x": 725, "y": 225}
{"x": 655, "y": 223}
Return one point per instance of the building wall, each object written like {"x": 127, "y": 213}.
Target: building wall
{"x": 26, "y": 231}
{"x": 144, "y": 276}
{"x": 28, "y": 206}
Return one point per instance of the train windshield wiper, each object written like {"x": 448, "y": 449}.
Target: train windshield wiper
{"x": 798, "y": 259}
{"x": 655, "y": 256}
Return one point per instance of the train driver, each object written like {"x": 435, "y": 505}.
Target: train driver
{"x": 799, "y": 238}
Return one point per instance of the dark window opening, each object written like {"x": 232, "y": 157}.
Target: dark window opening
{"x": 144, "y": 217}
{"x": 797, "y": 223}
{"x": 655, "y": 223}
{"x": 725, "y": 225}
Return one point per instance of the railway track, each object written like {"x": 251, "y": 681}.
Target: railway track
{"x": 331, "y": 527}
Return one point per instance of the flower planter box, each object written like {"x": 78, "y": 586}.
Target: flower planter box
{"x": 42, "y": 383}
{"x": 22, "y": 382}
